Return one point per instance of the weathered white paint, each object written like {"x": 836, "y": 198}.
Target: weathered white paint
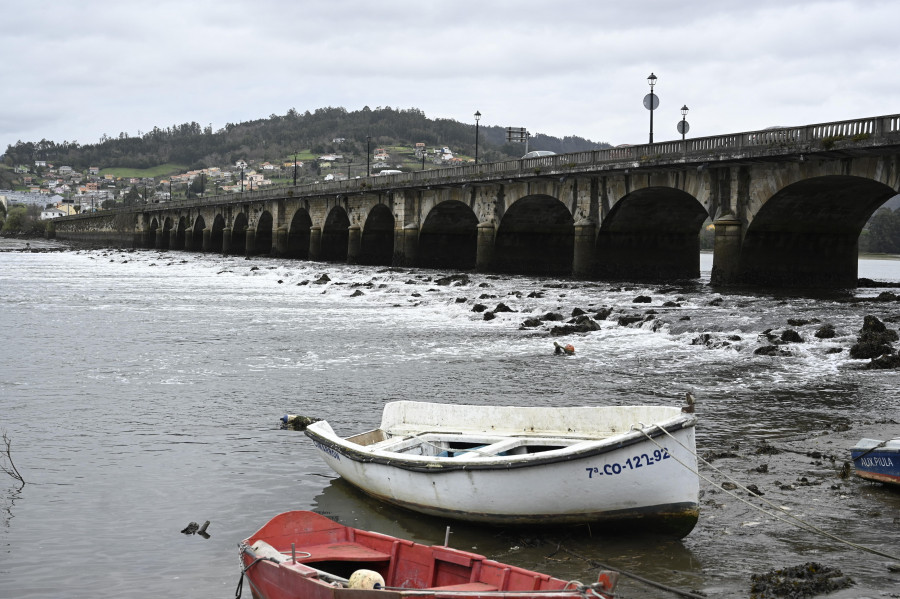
{"x": 583, "y": 477}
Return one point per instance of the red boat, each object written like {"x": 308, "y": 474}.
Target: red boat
{"x": 304, "y": 555}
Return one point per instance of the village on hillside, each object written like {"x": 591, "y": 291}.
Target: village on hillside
{"x": 61, "y": 190}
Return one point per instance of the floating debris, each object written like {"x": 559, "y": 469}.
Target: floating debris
{"x": 190, "y": 528}
{"x": 297, "y": 422}
{"x": 194, "y": 528}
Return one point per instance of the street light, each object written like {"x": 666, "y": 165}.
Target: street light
{"x": 683, "y": 126}
{"x": 242, "y": 179}
{"x": 424, "y": 153}
{"x": 295, "y": 169}
{"x": 477, "y": 118}
{"x": 368, "y": 155}
{"x": 651, "y": 102}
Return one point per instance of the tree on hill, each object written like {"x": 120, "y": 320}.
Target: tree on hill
{"x": 281, "y": 135}
{"x": 882, "y": 233}
{"x": 132, "y": 197}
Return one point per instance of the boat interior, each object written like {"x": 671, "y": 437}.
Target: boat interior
{"x": 461, "y": 445}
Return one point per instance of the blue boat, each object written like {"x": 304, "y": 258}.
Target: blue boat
{"x": 877, "y": 460}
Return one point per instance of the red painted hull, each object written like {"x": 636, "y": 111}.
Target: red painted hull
{"x": 325, "y": 554}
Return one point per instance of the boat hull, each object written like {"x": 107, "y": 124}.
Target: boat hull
{"x": 303, "y": 555}
{"x": 877, "y": 461}
{"x": 626, "y": 482}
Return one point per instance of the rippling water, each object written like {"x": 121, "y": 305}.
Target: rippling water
{"x": 141, "y": 391}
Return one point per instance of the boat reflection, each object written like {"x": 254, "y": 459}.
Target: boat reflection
{"x": 344, "y": 503}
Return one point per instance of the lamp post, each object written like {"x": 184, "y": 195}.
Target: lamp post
{"x": 424, "y": 153}
{"x": 242, "y": 179}
{"x": 477, "y": 118}
{"x": 683, "y": 126}
{"x": 651, "y": 102}
{"x": 368, "y": 155}
{"x": 295, "y": 169}
{"x": 349, "y": 162}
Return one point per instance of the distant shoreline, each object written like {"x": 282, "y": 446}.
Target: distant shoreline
{"x": 880, "y": 256}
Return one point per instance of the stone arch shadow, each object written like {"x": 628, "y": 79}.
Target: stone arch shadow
{"x": 449, "y": 237}
{"x": 652, "y": 233}
{"x": 535, "y": 237}
{"x": 807, "y": 233}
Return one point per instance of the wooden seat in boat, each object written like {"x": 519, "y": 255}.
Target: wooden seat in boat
{"x": 341, "y": 551}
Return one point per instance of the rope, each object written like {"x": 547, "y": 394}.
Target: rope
{"x": 646, "y": 581}
{"x": 240, "y": 586}
{"x": 799, "y": 523}
{"x": 870, "y": 450}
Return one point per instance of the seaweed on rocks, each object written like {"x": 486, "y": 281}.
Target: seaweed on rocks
{"x": 797, "y": 582}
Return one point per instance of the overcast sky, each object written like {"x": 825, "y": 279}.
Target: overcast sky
{"x": 77, "y": 70}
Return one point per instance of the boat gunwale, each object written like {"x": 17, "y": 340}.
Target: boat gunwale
{"x": 434, "y": 465}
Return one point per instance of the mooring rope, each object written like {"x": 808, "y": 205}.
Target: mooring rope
{"x": 240, "y": 586}
{"x": 646, "y": 581}
{"x": 870, "y": 450}
{"x": 798, "y": 522}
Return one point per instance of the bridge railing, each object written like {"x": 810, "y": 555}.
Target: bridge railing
{"x": 788, "y": 139}
{"x": 891, "y": 124}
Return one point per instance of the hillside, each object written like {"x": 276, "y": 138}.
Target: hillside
{"x": 278, "y": 138}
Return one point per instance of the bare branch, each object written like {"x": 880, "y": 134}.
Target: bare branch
{"x": 6, "y": 453}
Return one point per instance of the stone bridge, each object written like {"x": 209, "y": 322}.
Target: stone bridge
{"x": 788, "y": 206}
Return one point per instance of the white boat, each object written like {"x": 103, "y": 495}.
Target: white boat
{"x": 626, "y": 467}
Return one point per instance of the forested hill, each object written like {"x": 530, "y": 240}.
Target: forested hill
{"x": 278, "y": 137}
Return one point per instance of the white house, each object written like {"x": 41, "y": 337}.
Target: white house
{"x": 51, "y": 213}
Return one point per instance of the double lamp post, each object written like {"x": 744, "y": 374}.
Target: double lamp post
{"x": 651, "y": 103}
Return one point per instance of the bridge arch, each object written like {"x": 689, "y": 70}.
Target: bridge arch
{"x": 180, "y": 234}
{"x": 335, "y": 235}
{"x": 377, "y": 240}
{"x": 535, "y": 236}
{"x": 216, "y": 233}
{"x": 449, "y": 237}
{"x": 239, "y": 234}
{"x": 263, "y": 242}
{"x": 152, "y": 232}
{"x": 807, "y": 233}
{"x": 298, "y": 235}
{"x": 163, "y": 240}
{"x": 197, "y": 233}
{"x": 651, "y": 233}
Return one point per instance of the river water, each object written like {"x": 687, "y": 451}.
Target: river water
{"x": 142, "y": 390}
